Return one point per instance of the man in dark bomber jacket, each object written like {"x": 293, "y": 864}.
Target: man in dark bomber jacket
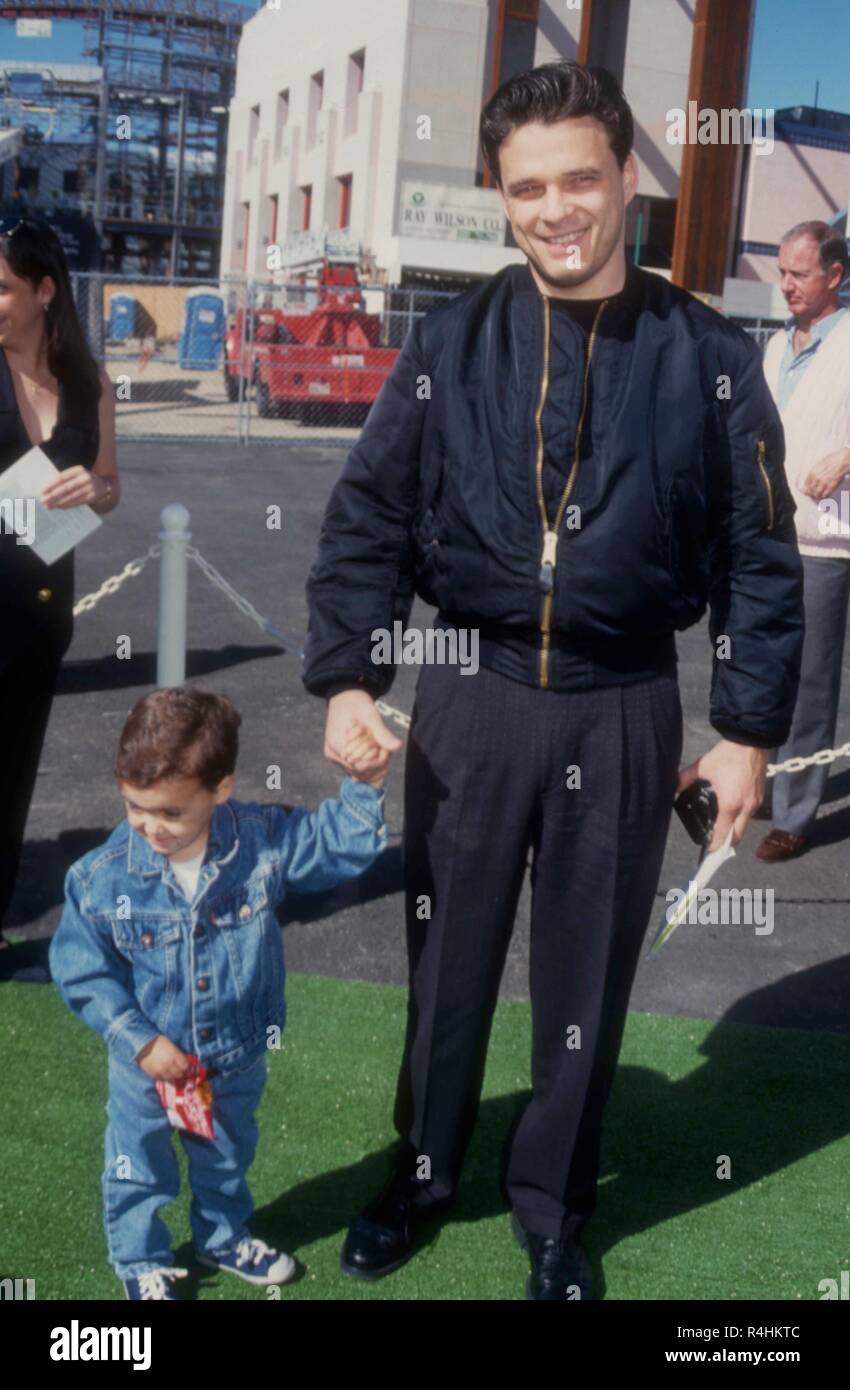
{"x": 574, "y": 458}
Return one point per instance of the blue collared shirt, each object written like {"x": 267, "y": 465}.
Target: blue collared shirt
{"x": 793, "y": 367}
{"x": 133, "y": 958}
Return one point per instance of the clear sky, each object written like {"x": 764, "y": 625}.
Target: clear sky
{"x": 796, "y": 42}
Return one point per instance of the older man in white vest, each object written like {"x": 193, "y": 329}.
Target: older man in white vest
{"x": 807, "y": 366}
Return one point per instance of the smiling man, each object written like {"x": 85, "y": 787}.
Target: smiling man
{"x": 571, "y": 242}
{"x": 575, "y": 458}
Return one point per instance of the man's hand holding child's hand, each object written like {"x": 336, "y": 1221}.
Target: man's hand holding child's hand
{"x": 360, "y": 752}
{"x": 163, "y": 1061}
{"x": 357, "y": 739}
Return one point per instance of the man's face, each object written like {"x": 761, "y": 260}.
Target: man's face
{"x": 808, "y": 289}
{"x": 565, "y": 196}
{"x": 174, "y": 814}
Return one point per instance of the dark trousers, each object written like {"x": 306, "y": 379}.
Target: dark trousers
{"x": 487, "y": 781}
{"x": 27, "y": 683}
{"x": 797, "y": 795}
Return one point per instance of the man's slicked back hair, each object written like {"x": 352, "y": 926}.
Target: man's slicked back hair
{"x": 555, "y": 92}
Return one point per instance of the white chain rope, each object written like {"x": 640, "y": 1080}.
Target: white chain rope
{"x": 822, "y": 758}
{"x": 114, "y": 582}
{"x": 396, "y": 715}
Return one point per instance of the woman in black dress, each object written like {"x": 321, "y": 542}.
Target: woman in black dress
{"x": 54, "y": 395}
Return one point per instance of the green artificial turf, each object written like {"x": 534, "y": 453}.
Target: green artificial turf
{"x": 687, "y": 1092}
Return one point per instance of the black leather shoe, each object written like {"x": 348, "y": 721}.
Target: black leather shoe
{"x": 557, "y": 1267}
{"x": 381, "y": 1239}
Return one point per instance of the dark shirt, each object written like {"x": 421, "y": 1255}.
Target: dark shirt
{"x": 36, "y": 600}
{"x": 566, "y": 383}
{"x": 582, "y": 311}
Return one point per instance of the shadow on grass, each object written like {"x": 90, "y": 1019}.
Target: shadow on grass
{"x": 766, "y": 1098}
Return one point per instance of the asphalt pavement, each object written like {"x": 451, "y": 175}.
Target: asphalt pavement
{"x": 796, "y": 976}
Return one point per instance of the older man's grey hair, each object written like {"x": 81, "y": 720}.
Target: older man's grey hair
{"x": 832, "y": 245}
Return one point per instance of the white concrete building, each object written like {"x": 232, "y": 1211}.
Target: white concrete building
{"x": 363, "y": 119}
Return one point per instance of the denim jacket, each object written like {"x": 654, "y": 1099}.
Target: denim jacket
{"x": 134, "y": 958}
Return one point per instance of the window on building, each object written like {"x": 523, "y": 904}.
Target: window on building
{"x": 271, "y": 219}
{"x": 253, "y": 132}
{"x": 517, "y": 39}
{"x": 27, "y": 178}
{"x": 609, "y": 27}
{"x": 354, "y": 86}
{"x": 70, "y": 181}
{"x": 650, "y": 227}
{"x": 246, "y": 227}
{"x": 281, "y": 121}
{"x": 306, "y": 206}
{"x": 513, "y": 47}
{"x": 344, "y": 200}
{"x": 314, "y": 106}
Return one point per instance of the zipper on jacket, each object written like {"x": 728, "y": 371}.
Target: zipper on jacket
{"x": 761, "y": 455}
{"x": 549, "y": 556}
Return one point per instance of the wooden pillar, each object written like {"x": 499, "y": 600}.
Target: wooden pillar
{"x": 708, "y": 182}
{"x": 488, "y": 180}
{"x": 583, "y": 55}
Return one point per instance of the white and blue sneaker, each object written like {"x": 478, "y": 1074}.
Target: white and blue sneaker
{"x": 253, "y": 1261}
{"x": 156, "y": 1284}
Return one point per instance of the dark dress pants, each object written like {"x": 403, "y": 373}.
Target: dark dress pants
{"x": 27, "y": 683}
{"x": 797, "y": 795}
{"x": 487, "y": 783}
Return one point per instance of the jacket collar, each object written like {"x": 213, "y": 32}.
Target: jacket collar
{"x": 627, "y": 303}
{"x": 222, "y": 846}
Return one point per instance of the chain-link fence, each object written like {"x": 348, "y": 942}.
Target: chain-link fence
{"x": 245, "y": 360}
{"x": 759, "y": 329}
{"x": 249, "y": 361}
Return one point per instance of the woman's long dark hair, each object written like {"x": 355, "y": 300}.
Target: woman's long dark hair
{"x": 33, "y": 250}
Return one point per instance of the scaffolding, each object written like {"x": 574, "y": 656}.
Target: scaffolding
{"x": 135, "y": 137}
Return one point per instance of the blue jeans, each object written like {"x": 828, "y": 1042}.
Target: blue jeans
{"x": 141, "y": 1173}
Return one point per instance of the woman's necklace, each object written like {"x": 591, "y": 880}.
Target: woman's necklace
{"x": 31, "y": 386}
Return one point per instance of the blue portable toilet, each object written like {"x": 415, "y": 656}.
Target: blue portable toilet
{"x": 202, "y": 334}
{"x": 123, "y": 312}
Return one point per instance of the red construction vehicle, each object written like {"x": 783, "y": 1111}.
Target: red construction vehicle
{"x": 267, "y": 323}
{"x": 324, "y": 362}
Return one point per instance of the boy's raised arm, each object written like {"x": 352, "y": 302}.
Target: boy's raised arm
{"x": 94, "y": 978}
{"x": 337, "y": 841}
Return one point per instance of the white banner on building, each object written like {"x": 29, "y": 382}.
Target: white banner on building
{"x": 444, "y": 212}
{"x": 305, "y": 247}
{"x": 33, "y": 28}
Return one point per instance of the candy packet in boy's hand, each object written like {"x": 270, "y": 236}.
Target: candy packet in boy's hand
{"x": 188, "y": 1103}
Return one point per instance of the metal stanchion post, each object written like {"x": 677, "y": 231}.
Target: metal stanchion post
{"x": 171, "y": 627}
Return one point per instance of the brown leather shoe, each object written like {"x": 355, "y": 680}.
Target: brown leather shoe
{"x": 779, "y": 845}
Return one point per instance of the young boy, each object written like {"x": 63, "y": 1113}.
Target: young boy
{"x": 168, "y": 946}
